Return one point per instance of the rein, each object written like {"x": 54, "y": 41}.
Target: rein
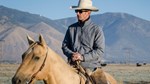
{"x": 83, "y": 71}
{"x": 40, "y": 69}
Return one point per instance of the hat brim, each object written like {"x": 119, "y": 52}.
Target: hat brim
{"x": 88, "y": 8}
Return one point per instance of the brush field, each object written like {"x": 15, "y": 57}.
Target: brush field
{"x": 124, "y": 74}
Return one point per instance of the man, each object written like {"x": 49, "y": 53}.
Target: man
{"x": 84, "y": 41}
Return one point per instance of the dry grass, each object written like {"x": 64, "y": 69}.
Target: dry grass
{"x": 124, "y": 74}
{"x": 130, "y": 74}
{"x": 6, "y": 73}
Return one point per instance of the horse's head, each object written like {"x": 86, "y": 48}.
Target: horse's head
{"x": 33, "y": 62}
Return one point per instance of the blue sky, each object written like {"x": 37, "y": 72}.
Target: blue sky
{"x": 57, "y": 9}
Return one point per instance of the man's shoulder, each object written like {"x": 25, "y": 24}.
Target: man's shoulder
{"x": 72, "y": 27}
{"x": 96, "y": 26}
{"x": 74, "y": 24}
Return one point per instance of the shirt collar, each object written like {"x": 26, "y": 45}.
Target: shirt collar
{"x": 82, "y": 24}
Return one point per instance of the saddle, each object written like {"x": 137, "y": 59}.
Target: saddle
{"x": 92, "y": 77}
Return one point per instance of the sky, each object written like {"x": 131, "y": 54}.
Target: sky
{"x": 58, "y": 9}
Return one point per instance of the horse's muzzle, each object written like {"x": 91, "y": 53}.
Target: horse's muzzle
{"x": 17, "y": 80}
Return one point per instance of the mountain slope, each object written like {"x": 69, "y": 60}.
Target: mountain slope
{"x": 25, "y": 19}
{"x": 46, "y": 29}
{"x": 127, "y": 37}
{"x": 13, "y": 43}
{"x": 15, "y": 25}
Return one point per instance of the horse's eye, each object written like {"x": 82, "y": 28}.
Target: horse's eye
{"x": 36, "y": 58}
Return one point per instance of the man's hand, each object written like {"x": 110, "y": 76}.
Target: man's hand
{"x": 77, "y": 57}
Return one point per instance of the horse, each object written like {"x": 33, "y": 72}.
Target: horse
{"x": 40, "y": 62}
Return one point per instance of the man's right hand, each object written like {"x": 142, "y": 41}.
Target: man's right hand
{"x": 77, "y": 57}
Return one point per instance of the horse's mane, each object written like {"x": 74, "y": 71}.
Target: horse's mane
{"x": 61, "y": 60}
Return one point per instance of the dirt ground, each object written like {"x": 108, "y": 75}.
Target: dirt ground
{"x": 124, "y": 74}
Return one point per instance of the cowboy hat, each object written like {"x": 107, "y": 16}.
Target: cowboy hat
{"x": 85, "y": 4}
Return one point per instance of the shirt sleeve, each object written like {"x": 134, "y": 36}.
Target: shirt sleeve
{"x": 66, "y": 46}
{"x": 98, "y": 47}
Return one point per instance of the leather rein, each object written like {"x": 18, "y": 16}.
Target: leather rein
{"x": 41, "y": 67}
{"x": 83, "y": 71}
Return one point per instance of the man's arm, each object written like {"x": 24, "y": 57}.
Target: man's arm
{"x": 98, "y": 47}
{"x": 66, "y": 45}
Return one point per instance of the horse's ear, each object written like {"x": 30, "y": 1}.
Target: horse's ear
{"x": 42, "y": 41}
{"x": 30, "y": 40}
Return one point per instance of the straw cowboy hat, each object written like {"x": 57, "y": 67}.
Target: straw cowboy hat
{"x": 85, "y": 4}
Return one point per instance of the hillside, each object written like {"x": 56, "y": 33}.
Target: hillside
{"x": 25, "y": 19}
{"x": 15, "y": 25}
{"x": 127, "y": 36}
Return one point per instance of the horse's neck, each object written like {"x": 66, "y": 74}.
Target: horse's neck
{"x": 57, "y": 62}
{"x": 56, "y": 59}
{"x": 60, "y": 69}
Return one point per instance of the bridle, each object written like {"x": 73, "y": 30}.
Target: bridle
{"x": 41, "y": 67}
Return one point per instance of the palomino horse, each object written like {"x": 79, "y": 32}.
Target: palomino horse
{"x": 40, "y": 62}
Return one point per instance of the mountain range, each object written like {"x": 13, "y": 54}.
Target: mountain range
{"x": 127, "y": 36}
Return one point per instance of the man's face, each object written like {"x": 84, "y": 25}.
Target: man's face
{"x": 82, "y": 15}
